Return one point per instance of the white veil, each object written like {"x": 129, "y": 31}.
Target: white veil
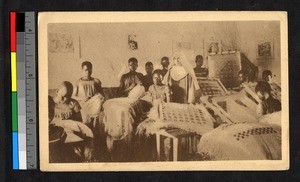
{"x": 183, "y": 62}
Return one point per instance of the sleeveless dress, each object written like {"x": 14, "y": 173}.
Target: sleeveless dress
{"x": 87, "y": 88}
{"x": 91, "y": 108}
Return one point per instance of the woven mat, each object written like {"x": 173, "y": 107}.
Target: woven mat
{"x": 211, "y": 87}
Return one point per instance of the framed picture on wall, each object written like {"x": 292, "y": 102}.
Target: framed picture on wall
{"x": 265, "y": 50}
{"x": 61, "y": 43}
{"x": 213, "y": 47}
{"x": 132, "y": 42}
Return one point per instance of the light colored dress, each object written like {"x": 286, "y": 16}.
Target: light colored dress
{"x": 159, "y": 92}
{"x": 88, "y": 88}
{"x": 91, "y": 99}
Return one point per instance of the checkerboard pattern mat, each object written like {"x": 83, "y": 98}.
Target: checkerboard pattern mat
{"x": 184, "y": 113}
{"x": 254, "y": 131}
{"x": 211, "y": 87}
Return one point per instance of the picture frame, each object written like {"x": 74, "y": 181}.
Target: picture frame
{"x": 265, "y": 49}
{"x": 213, "y": 47}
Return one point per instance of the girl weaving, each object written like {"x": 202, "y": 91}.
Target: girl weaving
{"x": 66, "y": 107}
{"x": 89, "y": 93}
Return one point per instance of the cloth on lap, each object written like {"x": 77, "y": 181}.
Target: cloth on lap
{"x": 91, "y": 107}
{"x": 76, "y": 131}
{"x": 122, "y": 116}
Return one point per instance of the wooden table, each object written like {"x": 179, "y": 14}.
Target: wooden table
{"x": 176, "y": 135}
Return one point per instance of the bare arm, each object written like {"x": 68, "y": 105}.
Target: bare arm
{"x": 99, "y": 87}
{"x": 121, "y": 87}
{"x": 75, "y": 92}
{"x": 77, "y": 114}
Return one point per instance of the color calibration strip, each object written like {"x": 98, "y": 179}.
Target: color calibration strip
{"x": 23, "y": 90}
{"x": 14, "y": 95}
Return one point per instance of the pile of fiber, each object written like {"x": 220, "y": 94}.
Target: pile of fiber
{"x": 273, "y": 119}
{"x": 93, "y": 106}
{"x": 242, "y": 141}
{"x": 76, "y": 131}
{"x": 121, "y": 116}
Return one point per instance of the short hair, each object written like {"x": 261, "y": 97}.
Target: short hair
{"x": 165, "y": 58}
{"x": 133, "y": 59}
{"x": 149, "y": 64}
{"x": 69, "y": 87}
{"x": 244, "y": 72}
{"x": 87, "y": 64}
{"x": 266, "y": 73}
{"x": 263, "y": 86}
{"x": 157, "y": 71}
{"x": 199, "y": 56}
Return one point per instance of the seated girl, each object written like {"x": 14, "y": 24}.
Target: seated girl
{"x": 69, "y": 140}
{"x": 66, "y": 108}
{"x": 89, "y": 93}
{"x": 158, "y": 91}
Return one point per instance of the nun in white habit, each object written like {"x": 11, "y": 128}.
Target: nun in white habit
{"x": 182, "y": 79}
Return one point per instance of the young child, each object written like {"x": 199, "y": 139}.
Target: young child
{"x": 165, "y": 66}
{"x": 66, "y": 108}
{"x": 158, "y": 91}
{"x": 69, "y": 140}
{"x": 243, "y": 76}
{"x": 199, "y": 71}
{"x": 131, "y": 79}
{"x": 147, "y": 80}
{"x": 87, "y": 86}
{"x": 89, "y": 93}
{"x": 267, "y": 76}
{"x": 268, "y": 104}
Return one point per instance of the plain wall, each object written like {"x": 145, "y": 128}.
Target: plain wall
{"x": 106, "y": 46}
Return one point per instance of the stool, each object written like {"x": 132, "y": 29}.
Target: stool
{"x": 176, "y": 135}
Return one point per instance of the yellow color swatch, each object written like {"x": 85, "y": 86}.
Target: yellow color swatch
{"x": 13, "y": 72}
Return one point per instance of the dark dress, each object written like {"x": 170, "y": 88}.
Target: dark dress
{"x": 201, "y": 72}
{"x": 163, "y": 72}
{"x": 147, "y": 81}
{"x": 128, "y": 82}
{"x": 271, "y": 105}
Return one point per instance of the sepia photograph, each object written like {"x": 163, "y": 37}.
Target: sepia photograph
{"x": 163, "y": 91}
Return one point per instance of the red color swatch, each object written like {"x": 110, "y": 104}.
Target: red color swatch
{"x": 13, "y": 41}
